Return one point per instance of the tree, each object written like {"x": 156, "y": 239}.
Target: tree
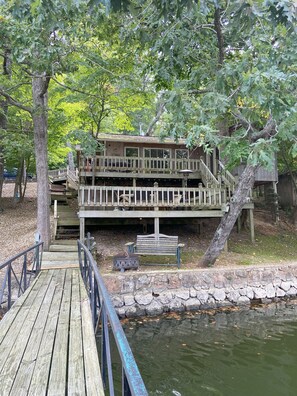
{"x": 41, "y": 37}
{"x": 229, "y": 70}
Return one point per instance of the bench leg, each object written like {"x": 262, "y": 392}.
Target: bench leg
{"x": 130, "y": 249}
{"x": 178, "y": 257}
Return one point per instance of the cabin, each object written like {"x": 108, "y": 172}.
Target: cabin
{"x": 147, "y": 180}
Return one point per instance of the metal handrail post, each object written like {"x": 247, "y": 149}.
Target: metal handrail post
{"x": 9, "y": 286}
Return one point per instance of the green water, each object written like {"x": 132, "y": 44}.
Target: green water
{"x": 247, "y": 353}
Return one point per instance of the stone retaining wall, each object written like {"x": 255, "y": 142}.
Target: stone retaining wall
{"x": 136, "y": 293}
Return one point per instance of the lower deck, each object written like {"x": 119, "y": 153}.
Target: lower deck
{"x": 47, "y": 343}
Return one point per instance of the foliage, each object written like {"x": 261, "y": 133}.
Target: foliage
{"x": 227, "y": 69}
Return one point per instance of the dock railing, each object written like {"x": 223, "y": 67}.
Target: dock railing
{"x": 17, "y": 272}
{"x": 104, "y": 318}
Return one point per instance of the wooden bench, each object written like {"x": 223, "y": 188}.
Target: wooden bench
{"x": 156, "y": 245}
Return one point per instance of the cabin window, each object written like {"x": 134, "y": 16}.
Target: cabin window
{"x": 157, "y": 158}
{"x": 156, "y": 153}
{"x": 181, "y": 153}
{"x": 131, "y": 151}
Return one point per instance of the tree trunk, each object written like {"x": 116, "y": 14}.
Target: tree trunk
{"x": 239, "y": 199}
{"x": 3, "y": 126}
{"x": 3, "y": 113}
{"x": 39, "y": 115}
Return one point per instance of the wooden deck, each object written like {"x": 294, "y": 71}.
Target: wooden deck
{"x": 47, "y": 343}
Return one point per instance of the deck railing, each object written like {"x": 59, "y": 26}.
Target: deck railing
{"x": 207, "y": 175}
{"x": 226, "y": 176}
{"x": 150, "y": 197}
{"x": 138, "y": 164}
{"x": 104, "y": 316}
{"x": 17, "y": 272}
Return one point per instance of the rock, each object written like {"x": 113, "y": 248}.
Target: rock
{"x": 233, "y": 296}
{"x": 165, "y": 298}
{"x": 183, "y": 294}
{"x": 243, "y": 300}
{"x": 219, "y": 294}
{"x": 202, "y": 296}
{"x": 192, "y": 304}
{"x": 154, "y": 308}
{"x": 176, "y": 305}
{"x": 292, "y": 291}
{"x": 144, "y": 299}
{"x": 117, "y": 301}
{"x": 259, "y": 292}
{"x": 285, "y": 286}
{"x": 129, "y": 299}
{"x": 270, "y": 291}
{"x": 280, "y": 292}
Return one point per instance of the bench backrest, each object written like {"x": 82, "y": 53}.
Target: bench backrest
{"x": 162, "y": 243}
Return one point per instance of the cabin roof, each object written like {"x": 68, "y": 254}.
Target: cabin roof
{"x": 138, "y": 139}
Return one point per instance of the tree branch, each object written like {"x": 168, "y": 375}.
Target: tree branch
{"x": 220, "y": 37}
{"x": 14, "y": 102}
{"x": 268, "y": 131}
{"x": 74, "y": 89}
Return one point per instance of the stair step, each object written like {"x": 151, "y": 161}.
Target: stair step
{"x": 59, "y": 264}
{"x": 59, "y": 256}
{"x": 63, "y": 248}
{"x": 64, "y": 242}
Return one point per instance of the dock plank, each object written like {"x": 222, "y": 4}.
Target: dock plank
{"x": 12, "y": 313}
{"x": 14, "y": 344}
{"x": 41, "y": 372}
{"x": 75, "y": 365}
{"x": 94, "y": 384}
{"x": 58, "y": 374}
{"x": 24, "y": 374}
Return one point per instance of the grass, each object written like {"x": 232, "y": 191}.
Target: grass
{"x": 266, "y": 249}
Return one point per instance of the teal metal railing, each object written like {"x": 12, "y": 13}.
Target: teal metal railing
{"x": 105, "y": 319}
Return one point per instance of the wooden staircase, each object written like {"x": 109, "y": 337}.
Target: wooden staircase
{"x": 66, "y": 221}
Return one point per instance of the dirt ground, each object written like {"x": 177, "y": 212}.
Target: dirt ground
{"x": 18, "y": 226}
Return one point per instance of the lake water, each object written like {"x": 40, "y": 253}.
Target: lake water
{"x": 250, "y": 352}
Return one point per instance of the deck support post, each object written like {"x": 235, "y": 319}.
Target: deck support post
{"x": 82, "y": 229}
{"x": 252, "y": 227}
{"x": 157, "y": 226}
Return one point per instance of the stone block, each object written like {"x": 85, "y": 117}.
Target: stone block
{"x": 154, "y": 308}
{"x": 192, "y": 304}
{"x": 143, "y": 282}
{"x": 176, "y": 305}
{"x": 243, "y": 300}
{"x": 280, "y": 292}
{"x": 292, "y": 291}
{"x": 259, "y": 292}
{"x": 285, "y": 286}
{"x": 219, "y": 294}
{"x": 144, "y": 299}
{"x": 270, "y": 290}
{"x": 129, "y": 299}
{"x": 117, "y": 301}
{"x": 233, "y": 296}
{"x": 182, "y": 294}
{"x": 165, "y": 298}
{"x": 202, "y": 296}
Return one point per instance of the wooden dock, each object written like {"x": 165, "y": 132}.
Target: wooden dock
{"x": 47, "y": 343}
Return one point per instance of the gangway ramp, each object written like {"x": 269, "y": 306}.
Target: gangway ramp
{"x": 47, "y": 341}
